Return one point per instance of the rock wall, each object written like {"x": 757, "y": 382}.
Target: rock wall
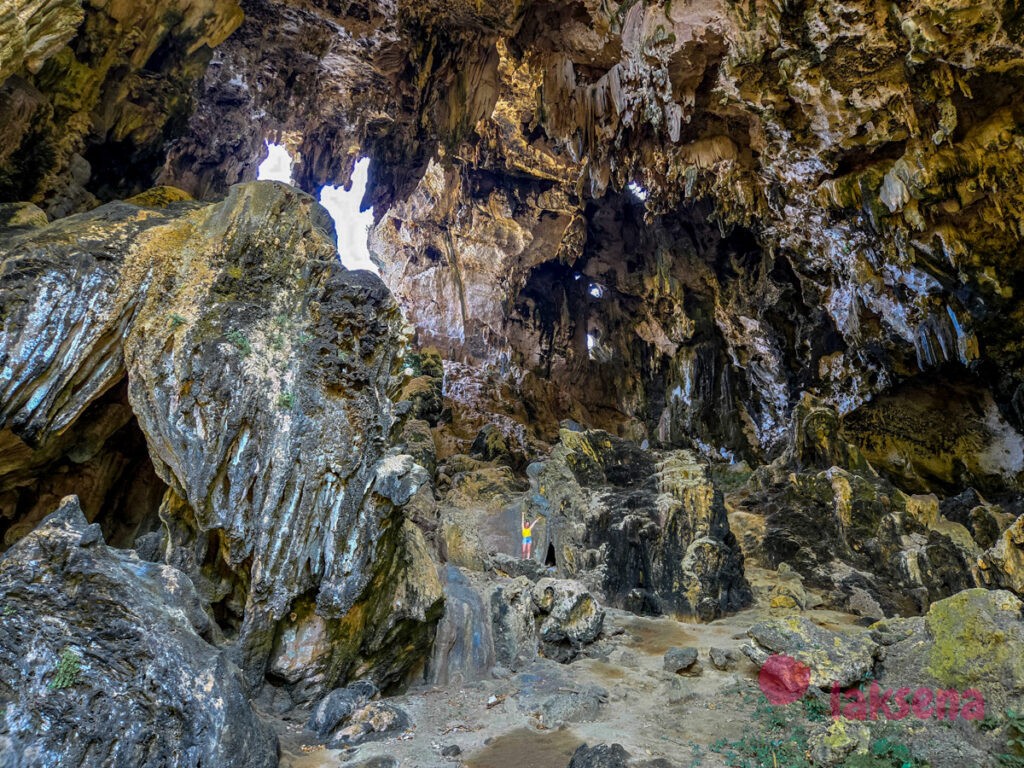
{"x": 101, "y": 84}
{"x": 800, "y": 218}
{"x": 259, "y": 371}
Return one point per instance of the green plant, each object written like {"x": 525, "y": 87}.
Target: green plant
{"x": 815, "y": 709}
{"x": 237, "y": 338}
{"x": 1014, "y": 755}
{"x": 774, "y": 740}
{"x": 9, "y": 610}
{"x": 176, "y": 320}
{"x": 285, "y": 400}
{"x": 69, "y": 666}
{"x": 990, "y": 722}
{"x": 883, "y": 754}
{"x": 778, "y": 737}
{"x": 413, "y": 362}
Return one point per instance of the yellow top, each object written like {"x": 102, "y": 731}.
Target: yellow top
{"x": 527, "y": 532}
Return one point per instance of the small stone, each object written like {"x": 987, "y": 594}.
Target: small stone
{"x": 682, "y": 661}
{"x": 599, "y": 756}
{"x": 723, "y": 658}
{"x": 452, "y": 750}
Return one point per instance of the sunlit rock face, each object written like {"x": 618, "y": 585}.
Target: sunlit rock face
{"x": 258, "y": 371}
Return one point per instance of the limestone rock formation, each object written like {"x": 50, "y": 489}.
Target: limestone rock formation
{"x": 830, "y": 657}
{"x": 554, "y": 617}
{"x": 259, "y": 372}
{"x": 648, "y": 529}
{"x": 100, "y": 84}
{"x": 570, "y": 617}
{"x": 464, "y": 648}
{"x": 1003, "y": 564}
{"x": 844, "y": 528}
{"x": 106, "y": 659}
{"x": 645, "y": 266}
{"x": 972, "y": 640}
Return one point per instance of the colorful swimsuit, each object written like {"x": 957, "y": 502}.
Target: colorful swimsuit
{"x": 527, "y": 535}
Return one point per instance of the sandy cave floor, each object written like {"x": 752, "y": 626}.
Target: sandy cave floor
{"x": 652, "y": 713}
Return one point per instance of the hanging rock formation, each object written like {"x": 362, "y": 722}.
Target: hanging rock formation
{"x": 701, "y": 284}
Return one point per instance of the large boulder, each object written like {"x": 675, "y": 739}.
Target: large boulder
{"x": 972, "y": 640}
{"x": 105, "y": 660}
{"x": 339, "y": 705}
{"x": 570, "y": 617}
{"x": 557, "y": 617}
{"x": 260, "y": 372}
{"x": 831, "y": 657}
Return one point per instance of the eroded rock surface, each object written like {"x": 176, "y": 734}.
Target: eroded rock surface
{"x": 259, "y": 371}
{"x": 646, "y": 528}
{"x": 106, "y": 659}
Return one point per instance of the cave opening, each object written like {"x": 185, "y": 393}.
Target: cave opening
{"x": 549, "y": 557}
{"x": 351, "y": 222}
{"x": 102, "y": 458}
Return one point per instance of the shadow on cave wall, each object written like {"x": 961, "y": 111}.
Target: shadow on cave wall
{"x": 102, "y": 458}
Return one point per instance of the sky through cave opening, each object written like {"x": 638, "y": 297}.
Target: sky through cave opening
{"x": 351, "y": 224}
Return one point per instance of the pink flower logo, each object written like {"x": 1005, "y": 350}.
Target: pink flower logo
{"x": 784, "y": 679}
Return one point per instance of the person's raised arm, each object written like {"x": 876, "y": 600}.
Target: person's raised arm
{"x": 535, "y": 522}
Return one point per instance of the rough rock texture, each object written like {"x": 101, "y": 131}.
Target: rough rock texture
{"x": 463, "y": 646}
{"x": 259, "y": 371}
{"x": 972, "y": 640}
{"x": 107, "y": 660}
{"x": 843, "y": 528}
{"x": 556, "y": 617}
{"x": 513, "y": 625}
{"x": 648, "y": 529}
{"x": 599, "y": 756}
{"x": 571, "y": 617}
{"x": 339, "y": 705}
{"x": 779, "y": 233}
{"x": 800, "y": 218}
{"x": 104, "y": 85}
{"x": 831, "y": 657}
{"x": 1003, "y": 564}
{"x": 681, "y": 661}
